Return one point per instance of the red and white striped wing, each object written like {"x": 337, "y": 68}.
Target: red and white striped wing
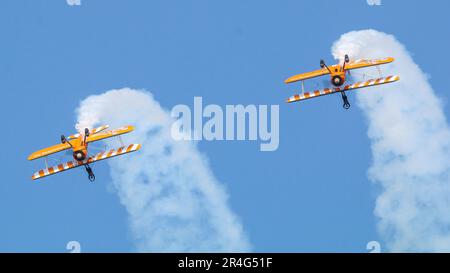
{"x": 328, "y": 91}
{"x": 94, "y": 131}
{"x": 73, "y": 164}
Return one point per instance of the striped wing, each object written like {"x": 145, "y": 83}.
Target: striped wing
{"x": 366, "y": 63}
{"x": 308, "y": 75}
{"x": 98, "y": 157}
{"x": 109, "y": 133}
{"x": 328, "y": 91}
{"x": 94, "y": 131}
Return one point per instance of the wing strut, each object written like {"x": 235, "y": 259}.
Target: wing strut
{"x": 346, "y": 60}
{"x": 379, "y": 71}
{"x": 323, "y": 64}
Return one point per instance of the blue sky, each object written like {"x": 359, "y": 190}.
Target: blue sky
{"x": 312, "y": 194}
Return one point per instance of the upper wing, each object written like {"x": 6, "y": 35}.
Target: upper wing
{"x": 50, "y": 150}
{"x": 63, "y": 146}
{"x": 74, "y": 164}
{"x": 94, "y": 131}
{"x": 366, "y": 63}
{"x": 328, "y": 91}
{"x": 110, "y": 133}
{"x": 308, "y": 75}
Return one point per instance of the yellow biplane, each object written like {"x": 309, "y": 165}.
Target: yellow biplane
{"x": 338, "y": 74}
{"x": 79, "y": 145}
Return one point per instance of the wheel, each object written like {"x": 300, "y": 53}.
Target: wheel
{"x": 322, "y": 63}
{"x": 63, "y": 139}
{"x": 91, "y": 177}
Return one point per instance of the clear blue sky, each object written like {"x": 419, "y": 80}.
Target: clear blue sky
{"x": 310, "y": 195}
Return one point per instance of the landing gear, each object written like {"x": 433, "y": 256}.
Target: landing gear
{"x": 346, "y": 104}
{"x": 91, "y": 175}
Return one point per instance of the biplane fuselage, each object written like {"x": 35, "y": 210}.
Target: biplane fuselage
{"x": 80, "y": 148}
{"x": 337, "y": 75}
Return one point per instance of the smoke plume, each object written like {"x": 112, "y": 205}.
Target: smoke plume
{"x": 410, "y": 141}
{"x": 174, "y": 202}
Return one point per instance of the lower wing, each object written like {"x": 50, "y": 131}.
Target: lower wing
{"x": 328, "y": 91}
{"x": 98, "y": 157}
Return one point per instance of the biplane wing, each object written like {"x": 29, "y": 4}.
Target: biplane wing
{"x": 93, "y": 131}
{"x": 110, "y": 133}
{"x": 63, "y": 146}
{"x": 328, "y": 91}
{"x": 49, "y": 150}
{"x": 308, "y": 75}
{"x": 367, "y": 63}
{"x": 73, "y": 164}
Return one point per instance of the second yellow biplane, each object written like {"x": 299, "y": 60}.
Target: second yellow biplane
{"x": 338, "y": 75}
{"x": 79, "y": 145}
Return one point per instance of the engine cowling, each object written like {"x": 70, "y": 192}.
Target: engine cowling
{"x": 337, "y": 80}
{"x": 79, "y": 155}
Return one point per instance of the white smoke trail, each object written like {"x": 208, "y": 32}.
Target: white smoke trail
{"x": 174, "y": 202}
{"x": 410, "y": 145}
